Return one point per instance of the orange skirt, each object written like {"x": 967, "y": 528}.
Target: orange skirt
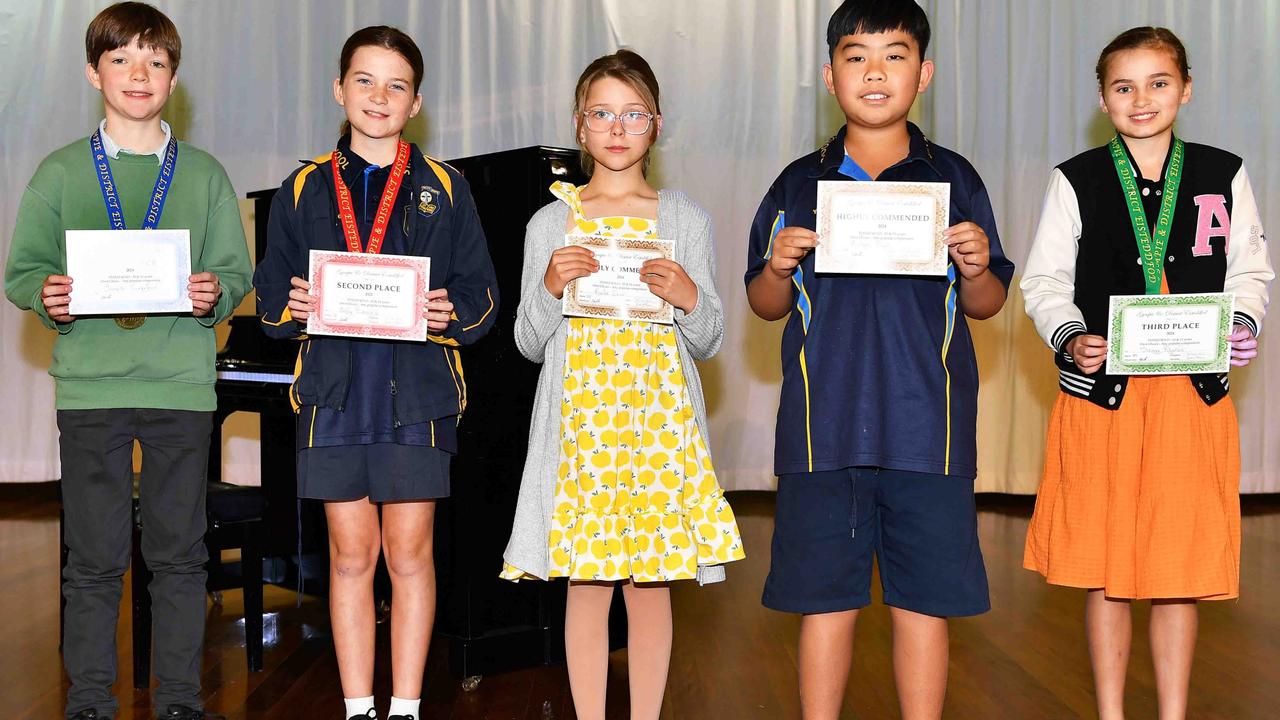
{"x": 1144, "y": 501}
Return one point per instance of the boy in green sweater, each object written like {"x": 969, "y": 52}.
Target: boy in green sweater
{"x": 120, "y": 379}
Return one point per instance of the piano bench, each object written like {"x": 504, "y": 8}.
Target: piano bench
{"x": 228, "y": 503}
{"x": 235, "y": 521}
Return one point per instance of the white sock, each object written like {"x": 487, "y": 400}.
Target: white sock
{"x": 359, "y": 706}
{"x": 408, "y": 708}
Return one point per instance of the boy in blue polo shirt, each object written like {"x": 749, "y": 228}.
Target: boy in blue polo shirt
{"x": 875, "y": 444}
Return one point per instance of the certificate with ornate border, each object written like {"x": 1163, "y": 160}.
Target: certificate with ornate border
{"x": 882, "y": 228}
{"x": 615, "y": 291}
{"x": 1169, "y": 334}
{"x": 129, "y": 272}
{"x": 371, "y": 296}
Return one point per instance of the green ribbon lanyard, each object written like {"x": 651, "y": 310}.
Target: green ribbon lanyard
{"x": 1150, "y": 245}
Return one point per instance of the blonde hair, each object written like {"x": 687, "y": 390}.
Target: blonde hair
{"x": 627, "y": 66}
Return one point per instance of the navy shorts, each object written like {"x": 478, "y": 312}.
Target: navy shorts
{"x": 382, "y": 472}
{"x": 922, "y": 528}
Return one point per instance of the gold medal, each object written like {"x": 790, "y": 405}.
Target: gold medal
{"x": 130, "y": 322}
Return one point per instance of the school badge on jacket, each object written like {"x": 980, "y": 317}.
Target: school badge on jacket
{"x": 427, "y": 197}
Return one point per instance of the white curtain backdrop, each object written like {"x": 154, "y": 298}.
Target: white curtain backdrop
{"x": 741, "y": 95}
{"x": 1016, "y": 93}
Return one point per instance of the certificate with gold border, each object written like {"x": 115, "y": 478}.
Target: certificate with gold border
{"x": 369, "y": 295}
{"x": 882, "y": 228}
{"x": 1169, "y": 334}
{"x": 615, "y": 291}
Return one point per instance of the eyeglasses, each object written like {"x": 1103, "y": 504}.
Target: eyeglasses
{"x": 634, "y": 122}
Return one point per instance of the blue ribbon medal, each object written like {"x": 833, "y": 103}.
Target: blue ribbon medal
{"x": 115, "y": 211}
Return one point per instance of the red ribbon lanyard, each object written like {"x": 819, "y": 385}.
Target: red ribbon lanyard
{"x": 347, "y": 213}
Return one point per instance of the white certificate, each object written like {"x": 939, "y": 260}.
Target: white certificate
{"x": 1169, "y": 334}
{"x": 879, "y": 228}
{"x": 374, "y": 296}
{"x": 615, "y": 291}
{"x": 129, "y": 272}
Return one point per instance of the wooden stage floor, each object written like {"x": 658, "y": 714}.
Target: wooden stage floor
{"x": 732, "y": 658}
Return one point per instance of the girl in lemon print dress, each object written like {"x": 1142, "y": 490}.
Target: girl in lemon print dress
{"x": 618, "y": 485}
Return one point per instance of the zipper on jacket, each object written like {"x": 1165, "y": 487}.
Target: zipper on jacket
{"x": 396, "y": 422}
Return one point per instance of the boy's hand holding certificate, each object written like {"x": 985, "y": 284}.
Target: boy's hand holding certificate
{"x": 129, "y": 272}
{"x": 882, "y": 228}
{"x": 1169, "y": 334}
{"x": 616, "y": 290}
{"x": 373, "y": 296}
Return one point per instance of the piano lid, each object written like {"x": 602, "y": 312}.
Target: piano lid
{"x": 248, "y": 349}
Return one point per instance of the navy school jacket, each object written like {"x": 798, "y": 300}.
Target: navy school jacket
{"x": 438, "y": 218}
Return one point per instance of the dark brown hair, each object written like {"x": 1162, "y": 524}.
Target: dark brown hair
{"x": 117, "y": 26}
{"x": 1145, "y": 38}
{"x": 627, "y": 66}
{"x": 386, "y": 37}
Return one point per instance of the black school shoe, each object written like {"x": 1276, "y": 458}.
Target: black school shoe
{"x": 400, "y": 717}
{"x": 181, "y": 712}
{"x": 88, "y": 715}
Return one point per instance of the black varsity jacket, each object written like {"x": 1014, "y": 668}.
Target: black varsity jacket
{"x": 1085, "y": 251}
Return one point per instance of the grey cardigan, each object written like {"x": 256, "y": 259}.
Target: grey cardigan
{"x": 540, "y": 336}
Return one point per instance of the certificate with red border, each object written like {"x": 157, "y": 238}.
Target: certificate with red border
{"x": 372, "y": 296}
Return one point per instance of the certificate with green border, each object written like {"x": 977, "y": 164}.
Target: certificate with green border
{"x": 1169, "y": 334}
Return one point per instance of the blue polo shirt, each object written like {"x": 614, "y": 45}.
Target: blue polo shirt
{"x": 876, "y": 370}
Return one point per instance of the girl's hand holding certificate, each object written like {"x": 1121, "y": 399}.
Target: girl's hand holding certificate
{"x": 630, "y": 270}
{"x": 301, "y": 303}
{"x": 438, "y": 309}
{"x": 669, "y": 281}
{"x": 1244, "y": 346}
{"x": 1088, "y": 352}
{"x": 567, "y": 264}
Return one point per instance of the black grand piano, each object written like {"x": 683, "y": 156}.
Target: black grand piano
{"x": 492, "y": 625}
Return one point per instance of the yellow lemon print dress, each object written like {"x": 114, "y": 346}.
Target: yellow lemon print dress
{"x": 636, "y": 496}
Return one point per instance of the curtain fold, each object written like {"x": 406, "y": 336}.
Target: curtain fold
{"x": 1016, "y": 93}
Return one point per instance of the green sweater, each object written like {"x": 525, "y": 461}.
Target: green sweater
{"x": 168, "y": 362}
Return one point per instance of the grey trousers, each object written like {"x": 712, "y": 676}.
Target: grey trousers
{"x": 96, "y": 449}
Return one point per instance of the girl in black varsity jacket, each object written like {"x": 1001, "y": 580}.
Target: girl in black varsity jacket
{"x": 1140, "y": 494}
{"x": 377, "y": 418}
